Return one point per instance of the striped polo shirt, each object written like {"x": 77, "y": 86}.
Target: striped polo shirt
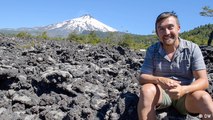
{"x": 187, "y": 58}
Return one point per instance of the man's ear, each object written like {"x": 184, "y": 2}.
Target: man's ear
{"x": 178, "y": 28}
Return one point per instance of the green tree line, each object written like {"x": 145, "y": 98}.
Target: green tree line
{"x": 199, "y": 35}
{"x": 115, "y": 38}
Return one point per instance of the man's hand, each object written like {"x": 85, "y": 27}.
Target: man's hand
{"x": 176, "y": 92}
{"x": 167, "y": 83}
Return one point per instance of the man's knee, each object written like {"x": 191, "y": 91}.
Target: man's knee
{"x": 199, "y": 96}
{"x": 149, "y": 94}
{"x": 205, "y": 97}
{"x": 198, "y": 102}
{"x": 149, "y": 90}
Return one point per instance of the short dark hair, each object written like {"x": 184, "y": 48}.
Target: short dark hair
{"x": 165, "y": 15}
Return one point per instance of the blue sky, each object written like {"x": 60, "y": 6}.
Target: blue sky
{"x": 133, "y": 16}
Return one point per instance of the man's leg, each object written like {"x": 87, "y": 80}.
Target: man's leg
{"x": 200, "y": 102}
{"x": 150, "y": 96}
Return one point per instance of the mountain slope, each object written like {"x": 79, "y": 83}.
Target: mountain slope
{"x": 78, "y": 25}
{"x": 83, "y": 23}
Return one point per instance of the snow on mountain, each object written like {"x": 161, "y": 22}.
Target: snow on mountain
{"x": 83, "y": 23}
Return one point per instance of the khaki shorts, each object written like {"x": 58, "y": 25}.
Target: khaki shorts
{"x": 179, "y": 104}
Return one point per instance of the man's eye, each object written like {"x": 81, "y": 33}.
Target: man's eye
{"x": 170, "y": 27}
{"x": 161, "y": 29}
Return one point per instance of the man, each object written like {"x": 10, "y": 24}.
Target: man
{"x": 173, "y": 73}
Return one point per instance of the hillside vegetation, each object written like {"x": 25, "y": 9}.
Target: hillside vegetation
{"x": 199, "y": 35}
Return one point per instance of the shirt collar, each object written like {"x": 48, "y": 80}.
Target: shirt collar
{"x": 182, "y": 46}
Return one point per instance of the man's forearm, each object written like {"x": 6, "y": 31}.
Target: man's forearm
{"x": 199, "y": 84}
{"x": 145, "y": 78}
{"x": 165, "y": 83}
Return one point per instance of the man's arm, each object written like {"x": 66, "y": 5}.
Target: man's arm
{"x": 147, "y": 78}
{"x": 200, "y": 83}
{"x": 165, "y": 83}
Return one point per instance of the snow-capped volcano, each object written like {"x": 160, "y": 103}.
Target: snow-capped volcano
{"x": 83, "y": 23}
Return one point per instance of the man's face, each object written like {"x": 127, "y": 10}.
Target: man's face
{"x": 168, "y": 30}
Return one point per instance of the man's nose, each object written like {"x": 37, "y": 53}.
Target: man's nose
{"x": 167, "y": 31}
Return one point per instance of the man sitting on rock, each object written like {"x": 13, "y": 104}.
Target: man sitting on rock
{"x": 173, "y": 73}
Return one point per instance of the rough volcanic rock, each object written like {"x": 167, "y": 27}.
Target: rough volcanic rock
{"x": 62, "y": 80}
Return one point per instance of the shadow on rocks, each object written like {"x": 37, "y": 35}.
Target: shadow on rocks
{"x": 125, "y": 108}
